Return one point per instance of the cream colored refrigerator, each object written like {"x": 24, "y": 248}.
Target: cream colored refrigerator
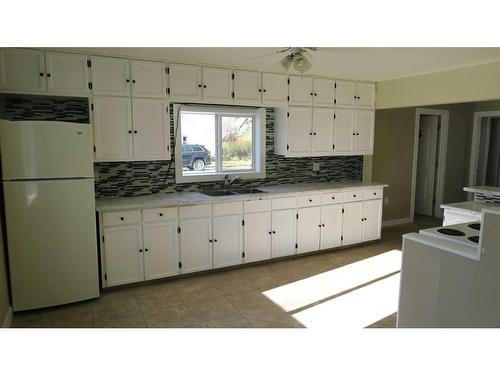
{"x": 48, "y": 191}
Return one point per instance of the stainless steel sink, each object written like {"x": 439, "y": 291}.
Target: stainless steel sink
{"x": 219, "y": 193}
{"x": 249, "y": 191}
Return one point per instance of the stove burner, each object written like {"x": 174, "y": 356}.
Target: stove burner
{"x": 475, "y": 226}
{"x": 474, "y": 239}
{"x": 451, "y": 232}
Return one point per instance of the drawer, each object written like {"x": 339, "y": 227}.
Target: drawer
{"x": 329, "y": 198}
{"x": 257, "y": 205}
{"x": 227, "y": 208}
{"x": 159, "y": 214}
{"x": 309, "y": 200}
{"x": 374, "y": 194}
{"x": 353, "y": 195}
{"x": 284, "y": 203}
{"x": 121, "y": 217}
{"x": 194, "y": 212}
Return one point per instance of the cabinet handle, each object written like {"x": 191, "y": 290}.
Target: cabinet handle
{"x": 333, "y": 197}
{"x": 353, "y": 133}
{"x": 319, "y": 225}
{"x": 374, "y": 193}
{"x": 312, "y": 94}
{"x": 357, "y": 133}
{"x": 140, "y": 250}
{"x": 265, "y": 90}
{"x": 48, "y": 75}
{"x": 354, "y": 195}
{"x": 135, "y": 131}
{"x": 130, "y": 132}
{"x": 199, "y": 85}
{"x": 210, "y": 241}
{"x": 310, "y": 200}
{"x": 204, "y": 86}
{"x": 315, "y": 94}
{"x": 161, "y": 213}
{"x": 274, "y": 232}
{"x": 128, "y": 80}
{"x": 322, "y": 225}
{"x": 260, "y": 90}
{"x": 41, "y": 74}
{"x": 215, "y": 240}
{"x": 122, "y": 218}
{"x": 270, "y": 232}
{"x": 133, "y": 81}
{"x": 310, "y": 133}
{"x": 315, "y": 133}
{"x": 146, "y": 250}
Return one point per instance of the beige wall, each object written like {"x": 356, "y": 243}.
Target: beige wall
{"x": 470, "y": 84}
{"x": 487, "y": 106}
{"x": 4, "y": 292}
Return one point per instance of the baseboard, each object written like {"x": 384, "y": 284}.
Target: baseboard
{"x": 7, "y": 320}
{"x": 391, "y": 223}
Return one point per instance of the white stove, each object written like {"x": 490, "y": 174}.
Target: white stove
{"x": 465, "y": 234}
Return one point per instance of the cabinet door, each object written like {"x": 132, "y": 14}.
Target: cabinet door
{"x": 112, "y": 128}
{"x": 284, "y": 232}
{"x": 274, "y": 90}
{"x": 372, "y": 215}
{"x": 151, "y": 129}
{"x": 217, "y": 85}
{"x": 344, "y": 131}
{"x": 257, "y": 240}
{"x": 299, "y": 131}
{"x": 227, "y": 240}
{"x": 331, "y": 226}
{"x": 345, "y": 94}
{"x": 364, "y": 127}
{"x": 66, "y": 73}
{"x": 148, "y": 79}
{"x": 246, "y": 87}
{"x": 161, "y": 257}
{"x": 366, "y": 94}
{"x": 322, "y": 128}
{"x": 195, "y": 246}
{"x": 352, "y": 224}
{"x": 300, "y": 90}
{"x": 308, "y": 229}
{"x": 185, "y": 82}
{"x": 22, "y": 70}
{"x": 324, "y": 92}
{"x": 110, "y": 76}
{"x": 123, "y": 254}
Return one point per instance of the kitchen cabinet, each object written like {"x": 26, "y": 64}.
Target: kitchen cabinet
{"x": 322, "y": 131}
{"x": 296, "y": 132}
{"x": 308, "y": 229}
{"x": 274, "y": 90}
{"x": 247, "y": 87}
{"x": 372, "y": 219}
{"x": 161, "y": 257}
{"x": 66, "y": 73}
{"x": 257, "y": 236}
{"x": 323, "y": 92}
{"x": 22, "y": 70}
{"x": 185, "y": 82}
{"x": 331, "y": 226}
{"x": 352, "y": 227}
{"x": 151, "y": 129}
{"x": 365, "y": 93}
{"x": 284, "y": 232}
{"x": 123, "y": 255}
{"x": 344, "y": 131}
{"x": 354, "y": 94}
{"x": 300, "y": 90}
{"x": 112, "y": 120}
{"x": 149, "y": 79}
{"x": 217, "y": 85}
{"x": 364, "y": 129}
{"x": 110, "y": 76}
{"x": 227, "y": 240}
{"x": 195, "y": 244}
{"x": 354, "y": 131}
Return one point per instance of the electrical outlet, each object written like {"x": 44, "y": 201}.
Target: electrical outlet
{"x": 386, "y": 200}
{"x": 316, "y": 167}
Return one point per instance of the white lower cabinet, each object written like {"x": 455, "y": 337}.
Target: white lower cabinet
{"x": 352, "y": 227}
{"x": 257, "y": 236}
{"x": 227, "y": 240}
{"x": 331, "y": 226}
{"x": 195, "y": 245}
{"x": 372, "y": 219}
{"x": 161, "y": 253}
{"x": 284, "y": 232}
{"x": 308, "y": 229}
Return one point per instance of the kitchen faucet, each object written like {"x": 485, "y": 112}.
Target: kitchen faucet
{"x": 228, "y": 182}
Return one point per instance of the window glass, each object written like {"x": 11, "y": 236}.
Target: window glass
{"x": 237, "y": 142}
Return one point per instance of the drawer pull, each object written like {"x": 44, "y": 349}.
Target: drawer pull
{"x": 122, "y": 218}
{"x": 310, "y": 200}
{"x": 333, "y": 197}
{"x": 374, "y": 193}
{"x": 354, "y": 195}
{"x": 161, "y": 213}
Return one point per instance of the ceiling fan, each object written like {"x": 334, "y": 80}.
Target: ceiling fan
{"x": 298, "y": 57}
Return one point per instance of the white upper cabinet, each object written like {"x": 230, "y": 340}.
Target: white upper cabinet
{"x": 149, "y": 79}
{"x": 112, "y": 128}
{"x": 364, "y": 128}
{"x": 345, "y": 94}
{"x": 185, "y": 82}
{"x": 247, "y": 87}
{"x": 300, "y": 90}
{"x": 110, "y": 76}
{"x": 284, "y": 232}
{"x": 322, "y": 129}
{"x": 67, "y": 73}
{"x": 22, "y": 70}
{"x": 217, "y": 85}
{"x": 344, "y": 131}
{"x": 161, "y": 257}
{"x": 323, "y": 92}
{"x": 274, "y": 90}
{"x": 365, "y": 94}
{"x": 151, "y": 135}
{"x": 299, "y": 131}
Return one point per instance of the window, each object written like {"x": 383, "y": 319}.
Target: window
{"x": 214, "y": 141}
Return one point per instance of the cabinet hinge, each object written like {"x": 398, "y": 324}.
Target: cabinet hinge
{"x": 333, "y": 147}
{"x": 288, "y": 147}
{"x": 288, "y": 98}
{"x": 178, "y": 229}
{"x": 297, "y": 216}
{"x": 288, "y": 114}
{"x": 243, "y": 254}
{"x": 232, "y": 75}
{"x": 296, "y": 245}
{"x": 166, "y": 109}
{"x": 288, "y": 80}
{"x": 334, "y": 116}
{"x": 168, "y": 90}
{"x": 180, "y": 264}
{"x": 102, "y": 238}
{"x": 167, "y": 70}
{"x": 342, "y": 238}
{"x": 94, "y": 148}
{"x": 243, "y": 222}
{"x": 90, "y": 85}
{"x": 91, "y": 106}
{"x": 232, "y": 94}
{"x": 335, "y": 84}
{"x": 334, "y": 101}
{"x": 168, "y": 147}
{"x": 105, "y": 276}
{"x": 89, "y": 63}
{"x": 342, "y": 210}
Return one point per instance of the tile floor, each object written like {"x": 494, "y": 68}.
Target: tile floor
{"x": 231, "y": 298}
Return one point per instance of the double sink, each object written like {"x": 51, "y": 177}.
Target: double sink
{"x": 219, "y": 193}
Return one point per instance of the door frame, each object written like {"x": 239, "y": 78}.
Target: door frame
{"x": 474, "y": 152}
{"x": 443, "y": 146}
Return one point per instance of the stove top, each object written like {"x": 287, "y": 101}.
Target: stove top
{"x": 466, "y": 234}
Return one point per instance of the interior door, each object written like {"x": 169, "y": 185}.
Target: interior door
{"x": 324, "y": 92}
{"x": 331, "y": 226}
{"x": 247, "y": 87}
{"x": 352, "y": 228}
{"x": 322, "y": 128}
{"x": 110, "y": 76}
{"x": 112, "y": 127}
{"x": 344, "y": 131}
{"x": 67, "y": 73}
{"x": 151, "y": 129}
{"x": 227, "y": 240}
{"x": 257, "y": 239}
{"x": 284, "y": 232}
{"x": 308, "y": 229}
{"x": 300, "y": 90}
{"x": 366, "y": 94}
{"x": 148, "y": 79}
{"x": 22, "y": 70}
{"x": 161, "y": 257}
{"x": 185, "y": 82}
{"x": 426, "y": 164}
{"x": 274, "y": 89}
{"x": 372, "y": 213}
{"x": 299, "y": 131}
{"x": 364, "y": 128}
{"x": 345, "y": 94}
{"x": 195, "y": 245}
{"x": 217, "y": 85}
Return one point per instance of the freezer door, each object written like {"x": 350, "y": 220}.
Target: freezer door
{"x": 45, "y": 149}
{"x": 51, "y": 240}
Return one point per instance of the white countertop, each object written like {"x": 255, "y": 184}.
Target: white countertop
{"x": 483, "y": 189}
{"x": 474, "y": 206}
{"x": 183, "y": 199}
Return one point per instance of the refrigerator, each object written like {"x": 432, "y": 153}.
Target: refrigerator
{"x": 49, "y": 208}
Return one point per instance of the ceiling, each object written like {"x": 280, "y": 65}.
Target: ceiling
{"x": 371, "y": 64}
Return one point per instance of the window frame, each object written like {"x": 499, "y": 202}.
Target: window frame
{"x": 258, "y": 142}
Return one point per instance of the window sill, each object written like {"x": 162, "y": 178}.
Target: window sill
{"x": 219, "y": 177}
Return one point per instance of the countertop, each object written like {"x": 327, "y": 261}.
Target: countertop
{"x": 483, "y": 189}
{"x": 474, "y": 206}
{"x": 183, "y": 199}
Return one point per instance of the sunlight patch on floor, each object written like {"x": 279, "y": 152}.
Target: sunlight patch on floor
{"x": 357, "y": 309}
{"x": 313, "y": 289}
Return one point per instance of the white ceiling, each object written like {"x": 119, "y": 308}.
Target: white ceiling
{"x": 371, "y": 64}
